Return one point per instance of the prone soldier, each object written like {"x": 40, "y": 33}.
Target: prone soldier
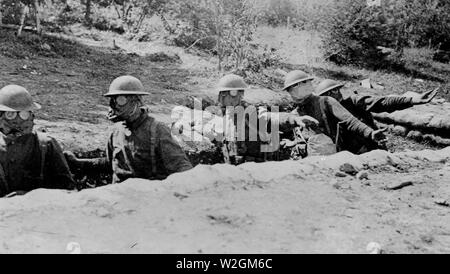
{"x": 333, "y": 118}
{"x": 362, "y": 108}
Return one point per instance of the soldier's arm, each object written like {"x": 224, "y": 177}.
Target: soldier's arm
{"x": 287, "y": 121}
{"x": 348, "y": 120}
{"x": 171, "y": 153}
{"x": 57, "y": 171}
{"x": 379, "y": 104}
{"x": 95, "y": 165}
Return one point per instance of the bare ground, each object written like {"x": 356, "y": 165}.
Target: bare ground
{"x": 302, "y": 210}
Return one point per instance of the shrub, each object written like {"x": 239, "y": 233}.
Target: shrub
{"x": 355, "y": 30}
{"x": 223, "y": 28}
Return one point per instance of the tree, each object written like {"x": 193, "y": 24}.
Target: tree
{"x": 1, "y": 12}
{"x": 25, "y": 9}
{"x": 87, "y": 16}
{"x": 355, "y": 31}
{"x": 224, "y": 28}
{"x": 132, "y": 13}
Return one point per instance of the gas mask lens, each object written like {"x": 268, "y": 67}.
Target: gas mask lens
{"x": 24, "y": 115}
{"x": 232, "y": 93}
{"x": 120, "y": 100}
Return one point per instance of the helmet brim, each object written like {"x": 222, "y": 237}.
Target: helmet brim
{"x": 230, "y": 89}
{"x": 121, "y": 92}
{"x": 297, "y": 81}
{"x": 330, "y": 88}
{"x": 33, "y": 107}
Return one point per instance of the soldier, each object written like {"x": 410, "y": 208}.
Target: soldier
{"x": 265, "y": 146}
{"x": 139, "y": 146}
{"x": 28, "y": 160}
{"x": 332, "y": 116}
{"x": 362, "y": 107}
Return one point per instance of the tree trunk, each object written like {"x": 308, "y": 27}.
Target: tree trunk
{"x": 23, "y": 15}
{"x": 1, "y": 15}
{"x": 37, "y": 14}
{"x": 87, "y": 15}
{"x": 166, "y": 24}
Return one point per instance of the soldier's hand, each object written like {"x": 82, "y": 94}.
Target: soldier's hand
{"x": 426, "y": 97}
{"x": 303, "y": 121}
{"x": 379, "y": 137}
{"x": 71, "y": 158}
{"x": 286, "y": 143}
{"x": 309, "y": 121}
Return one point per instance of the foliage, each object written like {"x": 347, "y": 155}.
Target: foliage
{"x": 355, "y": 31}
{"x": 224, "y": 28}
{"x": 133, "y": 13}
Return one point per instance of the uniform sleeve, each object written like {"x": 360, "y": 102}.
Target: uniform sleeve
{"x": 98, "y": 165}
{"x": 379, "y": 104}
{"x": 57, "y": 170}
{"x": 172, "y": 155}
{"x": 345, "y": 118}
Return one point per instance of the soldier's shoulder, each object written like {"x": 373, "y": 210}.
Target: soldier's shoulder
{"x": 329, "y": 100}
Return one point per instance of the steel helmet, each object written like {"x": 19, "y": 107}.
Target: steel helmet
{"x": 16, "y": 98}
{"x": 231, "y": 82}
{"x": 295, "y": 77}
{"x": 126, "y": 85}
{"x": 327, "y": 85}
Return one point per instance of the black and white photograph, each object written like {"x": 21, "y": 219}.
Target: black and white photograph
{"x": 224, "y": 127}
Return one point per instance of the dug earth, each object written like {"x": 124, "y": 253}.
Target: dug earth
{"x": 399, "y": 205}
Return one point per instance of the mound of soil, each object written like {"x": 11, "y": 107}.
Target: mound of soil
{"x": 301, "y": 208}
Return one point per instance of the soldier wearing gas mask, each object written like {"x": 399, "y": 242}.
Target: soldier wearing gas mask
{"x": 28, "y": 160}
{"x": 139, "y": 146}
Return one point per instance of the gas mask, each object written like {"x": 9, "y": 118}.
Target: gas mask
{"x": 231, "y": 98}
{"x": 125, "y": 108}
{"x": 301, "y": 91}
{"x": 16, "y": 124}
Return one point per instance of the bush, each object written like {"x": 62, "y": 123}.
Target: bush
{"x": 355, "y": 30}
{"x": 223, "y": 28}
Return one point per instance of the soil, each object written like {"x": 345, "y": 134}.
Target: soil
{"x": 303, "y": 208}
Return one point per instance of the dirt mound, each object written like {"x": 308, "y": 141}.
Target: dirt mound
{"x": 302, "y": 207}
{"x": 425, "y": 122}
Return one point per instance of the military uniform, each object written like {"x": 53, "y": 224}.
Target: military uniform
{"x": 240, "y": 151}
{"x": 144, "y": 149}
{"x": 334, "y": 119}
{"x": 32, "y": 161}
{"x": 362, "y": 108}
